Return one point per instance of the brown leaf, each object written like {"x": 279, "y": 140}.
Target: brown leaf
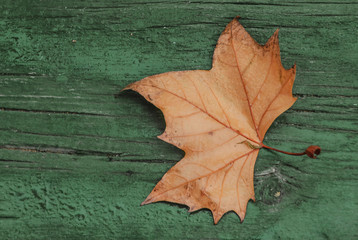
{"x": 219, "y": 118}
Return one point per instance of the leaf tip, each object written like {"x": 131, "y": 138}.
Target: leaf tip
{"x": 217, "y": 216}
{"x": 275, "y": 34}
{"x": 272, "y": 42}
{"x": 242, "y": 215}
{"x": 294, "y": 67}
{"x": 162, "y": 136}
{"x": 192, "y": 209}
{"x": 146, "y": 201}
{"x": 128, "y": 87}
{"x": 216, "y": 220}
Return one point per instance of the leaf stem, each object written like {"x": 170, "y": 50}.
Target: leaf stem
{"x": 312, "y": 151}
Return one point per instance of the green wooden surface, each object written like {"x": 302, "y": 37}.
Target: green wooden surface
{"x": 77, "y": 158}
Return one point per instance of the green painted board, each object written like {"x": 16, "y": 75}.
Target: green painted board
{"x": 77, "y": 157}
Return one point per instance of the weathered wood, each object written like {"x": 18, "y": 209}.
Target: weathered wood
{"x": 77, "y": 157}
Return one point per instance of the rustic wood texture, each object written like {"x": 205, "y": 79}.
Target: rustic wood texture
{"x": 77, "y": 157}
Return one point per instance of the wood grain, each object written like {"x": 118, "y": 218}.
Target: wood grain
{"x": 77, "y": 157}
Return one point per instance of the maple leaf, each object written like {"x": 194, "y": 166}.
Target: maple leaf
{"x": 219, "y": 117}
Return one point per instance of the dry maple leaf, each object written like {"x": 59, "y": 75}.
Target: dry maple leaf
{"x": 219, "y": 118}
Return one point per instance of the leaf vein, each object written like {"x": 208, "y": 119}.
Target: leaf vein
{"x": 266, "y": 110}
{"x": 222, "y": 185}
{"x": 243, "y": 84}
{"x": 197, "y": 90}
{"x": 194, "y": 179}
{"x": 263, "y": 83}
{"x": 217, "y": 100}
{"x": 197, "y": 134}
{"x": 237, "y": 182}
{"x": 234, "y": 130}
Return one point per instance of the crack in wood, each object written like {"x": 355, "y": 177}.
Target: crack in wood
{"x": 42, "y": 168}
{"x": 67, "y": 151}
{"x": 8, "y": 217}
{"x": 58, "y": 112}
{"x": 149, "y": 140}
{"x": 17, "y": 161}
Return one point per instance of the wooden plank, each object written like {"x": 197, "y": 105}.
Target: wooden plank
{"x": 77, "y": 157}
